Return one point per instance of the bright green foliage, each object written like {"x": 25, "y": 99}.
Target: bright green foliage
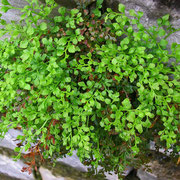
{"x": 100, "y": 85}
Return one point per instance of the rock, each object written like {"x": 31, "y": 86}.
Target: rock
{"x": 132, "y": 175}
{"x": 161, "y": 150}
{"x": 10, "y": 169}
{"x": 160, "y": 167}
{"x": 153, "y": 9}
{"x": 6, "y": 177}
{"x": 12, "y": 14}
{"x": 71, "y": 167}
{"x": 68, "y": 4}
{"x": 61, "y": 173}
{"x": 46, "y": 175}
{"x": 67, "y": 170}
{"x": 144, "y": 175}
{"x": 72, "y": 3}
{"x": 74, "y": 162}
{"x": 9, "y": 140}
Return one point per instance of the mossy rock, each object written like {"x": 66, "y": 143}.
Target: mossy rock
{"x": 72, "y": 3}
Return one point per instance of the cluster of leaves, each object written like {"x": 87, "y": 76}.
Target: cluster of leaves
{"x": 98, "y": 84}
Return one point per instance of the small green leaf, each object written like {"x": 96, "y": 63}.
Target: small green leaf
{"x": 109, "y": 10}
{"x": 5, "y": 2}
{"x": 72, "y": 49}
{"x": 43, "y": 26}
{"x": 126, "y": 103}
{"x": 125, "y": 41}
{"x": 98, "y": 105}
{"x": 166, "y": 17}
{"x": 131, "y": 117}
{"x": 27, "y": 87}
{"x": 102, "y": 123}
{"x": 38, "y": 132}
{"x": 99, "y": 2}
{"x": 17, "y": 149}
{"x": 68, "y": 79}
{"x": 107, "y": 101}
{"x": 23, "y": 44}
{"x": 5, "y": 9}
{"x": 62, "y": 41}
{"x": 77, "y": 31}
{"x": 62, "y": 10}
{"x": 27, "y": 146}
{"x": 162, "y": 32}
{"x": 30, "y": 30}
{"x": 81, "y": 83}
{"x": 163, "y": 42}
{"x": 121, "y": 8}
{"x": 97, "y": 12}
{"x": 159, "y": 22}
{"x": 58, "y": 19}
{"x": 74, "y": 11}
{"x": 119, "y": 33}
{"x": 25, "y": 56}
{"x": 130, "y": 29}
{"x": 134, "y": 21}
{"x": 140, "y": 14}
{"x": 116, "y": 26}
{"x": 139, "y": 128}
{"x": 151, "y": 65}
{"x": 112, "y": 16}
{"x": 155, "y": 86}
{"x": 89, "y": 83}
{"x": 132, "y": 12}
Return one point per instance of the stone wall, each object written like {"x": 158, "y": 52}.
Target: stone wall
{"x": 153, "y": 9}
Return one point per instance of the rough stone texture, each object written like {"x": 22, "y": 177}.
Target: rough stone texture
{"x": 61, "y": 171}
{"x": 71, "y": 167}
{"x": 157, "y": 171}
{"x": 144, "y": 175}
{"x": 12, "y": 14}
{"x": 9, "y": 139}
{"x": 160, "y": 167}
{"x": 153, "y": 9}
{"x": 10, "y": 169}
{"x": 66, "y": 168}
{"x": 46, "y": 175}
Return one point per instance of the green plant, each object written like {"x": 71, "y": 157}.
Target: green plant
{"x": 97, "y": 83}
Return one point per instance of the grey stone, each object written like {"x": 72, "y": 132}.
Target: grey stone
{"x": 11, "y": 169}
{"x": 159, "y": 167}
{"x": 144, "y": 175}
{"x": 74, "y": 162}
{"x": 72, "y": 3}
{"x": 9, "y": 140}
{"x": 46, "y": 175}
{"x": 12, "y": 14}
{"x": 6, "y": 177}
{"x": 152, "y": 11}
{"x": 66, "y": 3}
